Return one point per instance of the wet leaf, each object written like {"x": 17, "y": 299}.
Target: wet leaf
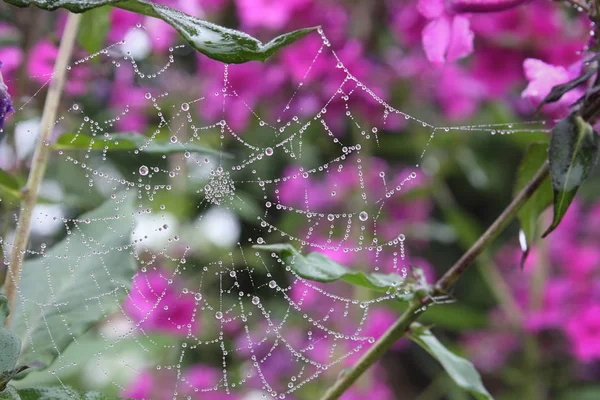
{"x": 128, "y": 142}
{"x": 320, "y": 268}
{"x": 528, "y": 215}
{"x": 219, "y": 43}
{"x": 10, "y": 346}
{"x": 82, "y": 289}
{"x": 572, "y": 153}
{"x": 461, "y": 370}
{"x": 50, "y": 393}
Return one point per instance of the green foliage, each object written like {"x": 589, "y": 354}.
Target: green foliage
{"x": 459, "y": 369}
{"x": 9, "y": 187}
{"x": 127, "y": 142}
{"x": 528, "y": 215}
{"x": 10, "y": 346}
{"x": 219, "y": 43}
{"x": 95, "y": 27}
{"x": 50, "y": 393}
{"x": 66, "y": 296}
{"x": 320, "y": 268}
{"x": 572, "y": 153}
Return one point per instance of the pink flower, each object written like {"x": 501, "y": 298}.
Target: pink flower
{"x": 273, "y": 14}
{"x": 140, "y": 388}
{"x": 543, "y": 77}
{"x": 447, "y": 36}
{"x": 583, "y": 331}
{"x": 40, "y": 68}
{"x": 202, "y": 382}
{"x": 471, "y": 6}
{"x": 155, "y": 303}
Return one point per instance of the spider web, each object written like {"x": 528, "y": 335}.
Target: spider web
{"x": 250, "y": 309}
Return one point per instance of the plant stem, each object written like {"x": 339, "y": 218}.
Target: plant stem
{"x": 444, "y": 284}
{"x": 40, "y": 159}
{"x": 375, "y": 352}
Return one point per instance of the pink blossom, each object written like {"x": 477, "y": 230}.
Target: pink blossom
{"x": 122, "y": 21}
{"x": 156, "y": 303}
{"x": 201, "y": 382}
{"x": 472, "y": 6}
{"x": 41, "y": 67}
{"x": 543, "y": 77}
{"x": 583, "y": 330}
{"x": 273, "y": 14}
{"x": 447, "y": 36}
{"x": 489, "y": 350}
{"x": 141, "y": 388}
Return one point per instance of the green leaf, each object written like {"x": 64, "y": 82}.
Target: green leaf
{"x": 127, "y": 142}
{"x": 67, "y": 295}
{"x": 528, "y": 215}
{"x": 459, "y": 369}
{"x": 10, "y": 346}
{"x": 573, "y": 151}
{"x": 318, "y": 267}
{"x": 50, "y": 393}
{"x": 219, "y": 43}
{"x": 9, "y": 187}
{"x": 95, "y": 26}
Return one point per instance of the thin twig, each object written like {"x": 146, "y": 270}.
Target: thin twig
{"x": 40, "y": 159}
{"x": 443, "y": 285}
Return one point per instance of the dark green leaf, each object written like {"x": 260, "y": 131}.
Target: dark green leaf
{"x": 528, "y": 215}
{"x": 459, "y": 369}
{"x": 127, "y": 142}
{"x": 222, "y": 44}
{"x": 95, "y": 26}
{"x": 50, "y": 393}
{"x": 79, "y": 290}
{"x": 9, "y": 187}
{"x": 573, "y": 151}
{"x": 318, "y": 267}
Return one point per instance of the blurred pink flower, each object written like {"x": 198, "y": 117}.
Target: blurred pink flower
{"x": 122, "y": 21}
{"x": 472, "y": 6}
{"x": 156, "y": 303}
{"x": 583, "y": 330}
{"x": 201, "y": 382}
{"x": 543, "y": 77}
{"x": 272, "y": 14}
{"x": 40, "y": 68}
{"x": 489, "y": 350}
{"x": 459, "y": 93}
{"x": 447, "y": 36}
{"x": 140, "y": 388}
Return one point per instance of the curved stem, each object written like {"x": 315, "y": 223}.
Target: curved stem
{"x": 445, "y": 283}
{"x": 40, "y": 159}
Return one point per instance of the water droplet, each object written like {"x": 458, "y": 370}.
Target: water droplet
{"x": 363, "y": 216}
{"x": 269, "y": 151}
{"x": 218, "y": 315}
{"x": 144, "y": 170}
{"x": 198, "y": 296}
{"x": 185, "y": 106}
{"x": 272, "y": 284}
{"x": 255, "y": 300}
